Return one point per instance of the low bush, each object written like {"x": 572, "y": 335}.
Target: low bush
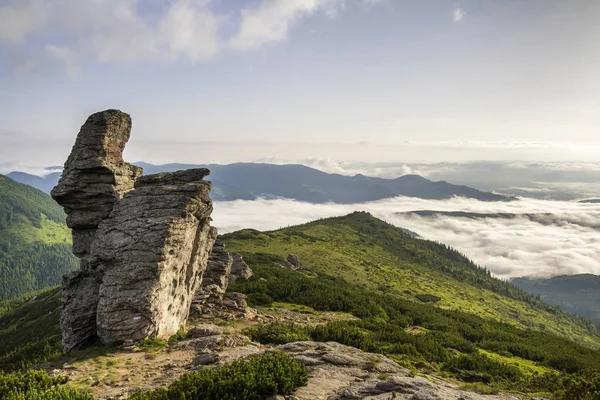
{"x": 254, "y": 378}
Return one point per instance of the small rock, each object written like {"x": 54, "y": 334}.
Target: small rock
{"x": 205, "y": 359}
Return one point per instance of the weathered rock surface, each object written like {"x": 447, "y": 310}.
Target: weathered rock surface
{"x": 339, "y": 372}
{"x": 239, "y": 269}
{"x": 143, "y": 242}
{"x": 153, "y": 250}
{"x": 293, "y": 262}
{"x": 211, "y": 300}
{"x": 95, "y": 176}
{"x": 216, "y": 277}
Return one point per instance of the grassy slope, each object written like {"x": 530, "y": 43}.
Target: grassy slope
{"x": 375, "y": 255}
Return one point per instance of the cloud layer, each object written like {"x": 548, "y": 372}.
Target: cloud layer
{"x": 562, "y": 238}
{"x": 70, "y": 33}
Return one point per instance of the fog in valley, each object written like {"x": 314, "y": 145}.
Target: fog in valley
{"x": 542, "y": 238}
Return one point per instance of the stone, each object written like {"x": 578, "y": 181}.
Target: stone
{"x": 218, "y": 269}
{"x": 293, "y": 263}
{"x": 95, "y": 176}
{"x": 203, "y": 330}
{"x": 294, "y": 260}
{"x": 239, "y": 269}
{"x": 153, "y": 250}
{"x": 205, "y": 359}
{"x": 340, "y": 372}
{"x": 143, "y": 242}
{"x": 212, "y": 299}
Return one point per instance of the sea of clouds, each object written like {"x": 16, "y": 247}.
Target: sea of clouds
{"x": 543, "y": 238}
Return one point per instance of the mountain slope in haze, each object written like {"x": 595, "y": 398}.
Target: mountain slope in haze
{"x": 35, "y": 243}
{"x": 373, "y": 254}
{"x": 247, "y": 181}
{"x": 577, "y": 294}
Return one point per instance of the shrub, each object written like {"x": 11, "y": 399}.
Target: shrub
{"x": 278, "y": 333}
{"x": 254, "y": 378}
{"x": 36, "y": 385}
{"x": 259, "y": 299}
{"x": 428, "y": 298}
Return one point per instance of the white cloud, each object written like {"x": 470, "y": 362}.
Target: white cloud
{"x": 543, "y": 238}
{"x": 18, "y": 21}
{"x": 270, "y": 20}
{"x": 191, "y": 30}
{"x": 458, "y": 14}
{"x": 116, "y": 31}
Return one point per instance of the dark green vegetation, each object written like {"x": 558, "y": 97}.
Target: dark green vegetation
{"x": 29, "y": 331}
{"x": 36, "y": 385}
{"x": 376, "y": 256}
{"x": 577, "y": 294}
{"x": 453, "y": 343}
{"x": 35, "y": 243}
{"x": 248, "y": 181}
{"x": 254, "y": 378}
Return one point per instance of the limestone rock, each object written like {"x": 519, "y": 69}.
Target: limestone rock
{"x": 152, "y": 251}
{"x": 239, "y": 269}
{"x": 143, "y": 242}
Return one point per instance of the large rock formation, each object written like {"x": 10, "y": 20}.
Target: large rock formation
{"x": 143, "y": 242}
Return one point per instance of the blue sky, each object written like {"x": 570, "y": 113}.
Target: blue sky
{"x": 364, "y": 80}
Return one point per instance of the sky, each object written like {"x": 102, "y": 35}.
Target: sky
{"x": 418, "y": 81}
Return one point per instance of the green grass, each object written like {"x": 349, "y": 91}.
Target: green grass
{"x": 378, "y": 256}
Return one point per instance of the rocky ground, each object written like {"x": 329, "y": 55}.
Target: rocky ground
{"x": 335, "y": 371}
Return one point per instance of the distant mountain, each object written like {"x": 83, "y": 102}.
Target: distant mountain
{"x": 577, "y": 294}
{"x": 35, "y": 243}
{"x": 247, "y": 181}
{"x": 44, "y": 183}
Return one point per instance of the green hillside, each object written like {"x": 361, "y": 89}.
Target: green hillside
{"x": 375, "y": 255}
{"x": 413, "y": 316}
{"x": 35, "y": 243}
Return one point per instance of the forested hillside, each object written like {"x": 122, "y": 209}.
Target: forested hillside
{"x": 35, "y": 243}
{"x": 577, "y": 294}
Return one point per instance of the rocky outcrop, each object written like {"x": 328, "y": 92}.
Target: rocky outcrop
{"x": 153, "y": 251}
{"x": 95, "y": 176}
{"x": 293, "y": 263}
{"x": 239, "y": 269}
{"x": 143, "y": 242}
{"x": 339, "y": 372}
{"x": 212, "y": 300}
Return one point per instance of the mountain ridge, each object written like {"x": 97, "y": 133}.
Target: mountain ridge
{"x": 248, "y": 181}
